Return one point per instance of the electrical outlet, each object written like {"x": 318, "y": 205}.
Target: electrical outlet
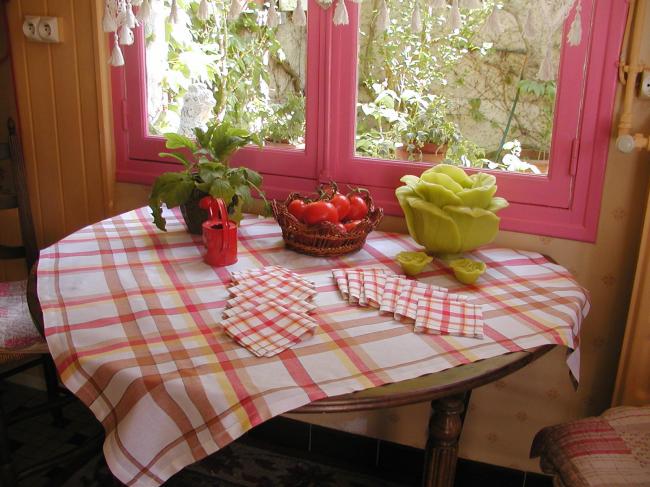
{"x": 48, "y": 29}
{"x": 644, "y": 91}
{"x": 30, "y": 27}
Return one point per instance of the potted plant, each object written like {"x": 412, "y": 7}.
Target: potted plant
{"x": 425, "y": 131}
{"x": 286, "y": 124}
{"x": 206, "y": 171}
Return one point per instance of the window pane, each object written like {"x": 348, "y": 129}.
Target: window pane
{"x": 471, "y": 95}
{"x": 242, "y": 71}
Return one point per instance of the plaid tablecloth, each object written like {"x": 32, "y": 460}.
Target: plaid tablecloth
{"x": 131, "y": 318}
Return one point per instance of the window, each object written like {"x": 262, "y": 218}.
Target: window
{"x": 358, "y": 106}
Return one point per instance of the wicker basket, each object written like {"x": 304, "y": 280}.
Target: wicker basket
{"x": 324, "y": 239}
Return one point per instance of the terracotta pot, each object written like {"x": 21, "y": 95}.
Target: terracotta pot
{"x": 281, "y": 144}
{"x": 428, "y": 153}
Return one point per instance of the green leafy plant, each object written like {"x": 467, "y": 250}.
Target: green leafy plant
{"x": 286, "y": 122}
{"x": 206, "y": 171}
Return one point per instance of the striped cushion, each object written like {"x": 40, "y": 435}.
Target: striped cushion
{"x": 17, "y": 331}
{"x": 610, "y": 450}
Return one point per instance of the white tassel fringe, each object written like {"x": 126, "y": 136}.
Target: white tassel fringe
{"x": 454, "y": 22}
{"x": 416, "y": 19}
{"x": 531, "y": 27}
{"x": 144, "y": 13}
{"x": 272, "y": 19}
{"x": 298, "y": 17}
{"x": 126, "y": 36}
{"x": 341, "y": 14}
{"x": 203, "y": 13}
{"x": 235, "y": 11}
{"x": 173, "y": 13}
{"x": 109, "y": 22}
{"x": 546, "y": 69}
{"x": 383, "y": 18}
{"x": 117, "y": 59}
{"x": 492, "y": 26}
{"x": 473, "y": 4}
{"x": 574, "y": 37}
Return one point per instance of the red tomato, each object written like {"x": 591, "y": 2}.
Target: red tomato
{"x": 351, "y": 225}
{"x": 358, "y": 207}
{"x": 342, "y": 204}
{"x": 341, "y": 227}
{"x": 320, "y": 211}
{"x": 297, "y": 208}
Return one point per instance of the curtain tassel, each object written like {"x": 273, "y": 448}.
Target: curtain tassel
{"x": 546, "y": 69}
{"x": 383, "y": 18}
{"x": 144, "y": 13}
{"x": 454, "y": 22}
{"x": 471, "y": 4}
{"x": 109, "y": 23}
{"x": 531, "y": 27}
{"x": 272, "y": 19}
{"x": 574, "y": 37}
{"x": 298, "y": 16}
{"x": 492, "y": 26}
{"x": 126, "y": 36}
{"x": 117, "y": 59}
{"x": 416, "y": 19}
{"x": 203, "y": 13}
{"x": 341, "y": 14}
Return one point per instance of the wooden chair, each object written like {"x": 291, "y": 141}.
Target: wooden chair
{"x": 611, "y": 450}
{"x": 22, "y": 345}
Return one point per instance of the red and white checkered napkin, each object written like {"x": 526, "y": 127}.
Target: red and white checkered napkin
{"x": 247, "y": 299}
{"x": 374, "y": 281}
{"x": 446, "y": 316}
{"x": 412, "y": 292}
{"x": 272, "y": 270}
{"x": 362, "y": 286}
{"x": 394, "y": 287}
{"x": 268, "y": 329}
{"x": 262, "y": 284}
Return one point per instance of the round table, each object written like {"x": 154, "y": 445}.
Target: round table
{"x": 448, "y": 391}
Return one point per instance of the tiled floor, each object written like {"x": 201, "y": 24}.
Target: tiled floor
{"x": 40, "y": 438}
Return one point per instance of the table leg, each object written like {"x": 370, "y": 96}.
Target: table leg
{"x": 441, "y": 452}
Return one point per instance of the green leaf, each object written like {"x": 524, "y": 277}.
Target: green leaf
{"x": 179, "y": 157}
{"x": 172, "y": 189}
{"x": 222, "y": 189}
{"x": 177, "y": 141}
{"x": 210, "y": 170}
{"x": 244, "y": 193}
{"x": 253, "y": 176}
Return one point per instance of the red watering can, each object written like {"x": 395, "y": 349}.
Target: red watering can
{"x": 219, "y": 233}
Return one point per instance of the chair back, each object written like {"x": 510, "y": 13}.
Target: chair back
{"x": 19, "y": 200}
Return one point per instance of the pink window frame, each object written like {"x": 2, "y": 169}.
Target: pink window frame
{"x": 565, "y": 203}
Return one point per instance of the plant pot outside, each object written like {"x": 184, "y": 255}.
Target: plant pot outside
{"x": 192, "y": 214}
{"x": 428, "y": 153}
{"x": 282, "y": 144}
{"x": 536, "y": 158}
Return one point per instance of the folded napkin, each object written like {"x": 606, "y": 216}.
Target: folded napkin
{"x": 355, "y": 287}
{"x": 446, "y": 316}
{"x": 263, "y": 284}
{"x": 374, "y": 281}
{"x": 274, "y": 270}
{"x": 248, "y": 299}
{"x": 342, "y": 282}
{"x": 407, "y": 303}
{"x": 268, "y": 328}
{"x": 396, "y": 285}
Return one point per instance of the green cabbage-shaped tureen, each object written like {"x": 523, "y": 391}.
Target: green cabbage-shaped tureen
{"x": 448, "y": 211}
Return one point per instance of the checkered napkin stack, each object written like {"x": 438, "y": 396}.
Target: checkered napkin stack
{"x": 269, "y": 310}
{"x": 433, "y": 309}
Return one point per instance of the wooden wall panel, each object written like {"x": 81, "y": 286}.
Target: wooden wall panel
{"x": 64, "y": 116}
